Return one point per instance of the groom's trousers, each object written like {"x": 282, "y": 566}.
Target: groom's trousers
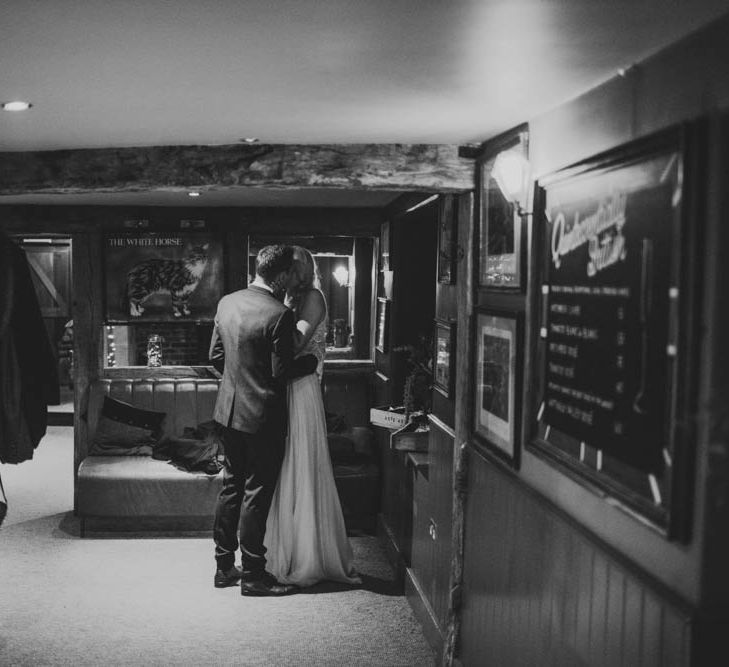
{"x": 250, "y": 474}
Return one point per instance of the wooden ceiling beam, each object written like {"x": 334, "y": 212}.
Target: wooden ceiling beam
{"x": 407, "y": 167}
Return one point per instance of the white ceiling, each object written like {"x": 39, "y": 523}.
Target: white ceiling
{"x": 148, "y": 72}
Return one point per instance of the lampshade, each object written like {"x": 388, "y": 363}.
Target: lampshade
{"x": 511, "y": 173}
{"x": 341, "y": 275}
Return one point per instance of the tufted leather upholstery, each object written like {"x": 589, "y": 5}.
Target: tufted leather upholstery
{"x": 187, "y": 402}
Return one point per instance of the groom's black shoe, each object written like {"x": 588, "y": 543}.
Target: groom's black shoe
{"x": 225, "y": 578}
{"x": 264, "y": 584}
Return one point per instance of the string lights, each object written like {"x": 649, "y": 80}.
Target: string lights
{"x": 110, "y": 347}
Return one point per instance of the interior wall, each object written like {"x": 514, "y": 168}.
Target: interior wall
{"x": 428, "y": 576}
{"x": 407, "y": 283}
{"x": 608, "y": 570}
{"x": 540, "y": 591}
{"x": 687, "y": 81}
{"x": 87, "y": 225}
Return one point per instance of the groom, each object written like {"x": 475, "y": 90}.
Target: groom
{"x": 253, "y": 342}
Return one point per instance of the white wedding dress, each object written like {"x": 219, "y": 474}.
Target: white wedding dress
{"x": 306, "y": 539}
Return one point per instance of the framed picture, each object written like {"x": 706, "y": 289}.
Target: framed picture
{"x": 162, "y": 277}
{"x": 497, "y": 385}
{"x": 444, "y": 356}
{"x": 383, "y": 323}
{"x": 447, "y": 230}
{"x": 614, "y": 353}
{"x": 502, "y": 229}
{"x": 385, "y": 247}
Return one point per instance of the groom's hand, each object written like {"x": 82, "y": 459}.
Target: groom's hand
{"x": 304, "y": 365}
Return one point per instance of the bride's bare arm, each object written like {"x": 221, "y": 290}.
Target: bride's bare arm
{"x": 311, "y": 311}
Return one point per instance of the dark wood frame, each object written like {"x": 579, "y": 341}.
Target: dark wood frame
{"x": 591, "y": 467}
{"x": 504, "y": 446}
{"x": 382, "y": 324}
{"x": 449, "y": 327}
{"x": 519, "y": 136}
{"x": 57, "y": 287}
{"x": 385, "y": 234}
{"x": 447, "y": 239}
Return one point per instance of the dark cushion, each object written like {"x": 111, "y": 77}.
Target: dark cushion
{"x": 125, "y": 429}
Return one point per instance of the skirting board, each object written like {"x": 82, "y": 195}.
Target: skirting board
{"x": 423, "y": 612}
{"x": 393, "y": 553}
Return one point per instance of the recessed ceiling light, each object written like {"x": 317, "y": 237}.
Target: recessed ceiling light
{"x": 193, "y": 193}
{"x": 16, "y": 105}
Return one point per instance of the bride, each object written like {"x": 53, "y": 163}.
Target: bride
{"x": 306, "y": 539}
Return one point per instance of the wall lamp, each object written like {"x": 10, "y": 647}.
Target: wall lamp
{"x": 511, "y": 172}
{"x": 341, "y": 275}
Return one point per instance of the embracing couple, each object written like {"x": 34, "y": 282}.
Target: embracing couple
{"x": 278, "y": 503}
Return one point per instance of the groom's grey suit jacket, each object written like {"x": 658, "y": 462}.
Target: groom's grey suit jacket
{"x": 253, "y": 341}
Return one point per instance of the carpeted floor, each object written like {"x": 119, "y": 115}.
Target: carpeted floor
{"x": 150, "y": 601}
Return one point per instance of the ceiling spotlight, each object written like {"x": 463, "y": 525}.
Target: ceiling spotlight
{"x": 16, "y": 105}
{"x": 193, "y": 193}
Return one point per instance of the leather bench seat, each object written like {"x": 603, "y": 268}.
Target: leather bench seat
{"x": 138, "y": 494}
{"x": 116, "y": 487}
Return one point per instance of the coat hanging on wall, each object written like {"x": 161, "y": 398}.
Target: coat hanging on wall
{"x": 28, "y": 374}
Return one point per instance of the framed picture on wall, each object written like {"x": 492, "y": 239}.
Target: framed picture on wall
{"x": 496, "y": 374}
{"x": 447, "y": 230}
{"x": 502, "y": 223}
{"x": 444, "y": 356}
{"x": 162, "y": 277}
{"x": 383, "y": 323}
{"x": 615, "y": 353}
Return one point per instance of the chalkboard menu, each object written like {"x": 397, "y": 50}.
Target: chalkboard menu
{"x": 609, "y": 290}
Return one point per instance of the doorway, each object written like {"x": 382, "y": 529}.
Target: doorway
{"x": 49, "y": 260}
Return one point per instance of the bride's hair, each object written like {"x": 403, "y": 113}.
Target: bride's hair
{"x": 312, "y": 279}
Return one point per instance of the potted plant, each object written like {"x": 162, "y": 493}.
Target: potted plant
{"x": 413, "y": 436}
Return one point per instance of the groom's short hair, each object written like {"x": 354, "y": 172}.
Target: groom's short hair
{"x": 273, "y": 260}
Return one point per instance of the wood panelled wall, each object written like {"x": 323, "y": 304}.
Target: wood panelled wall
{"x": 428, "y": 580}
{"x": 347, "y": 391}
{"x": 428, "y": 576}
{"x": 554, "y": 573}
{"x": 86, "y": 310}
{"x": 542, "y": 592}
{"x": 412, "y": 246}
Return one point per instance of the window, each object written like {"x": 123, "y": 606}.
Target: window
{"x": 345, "y": 266}
{"x": 341, "y": 261}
